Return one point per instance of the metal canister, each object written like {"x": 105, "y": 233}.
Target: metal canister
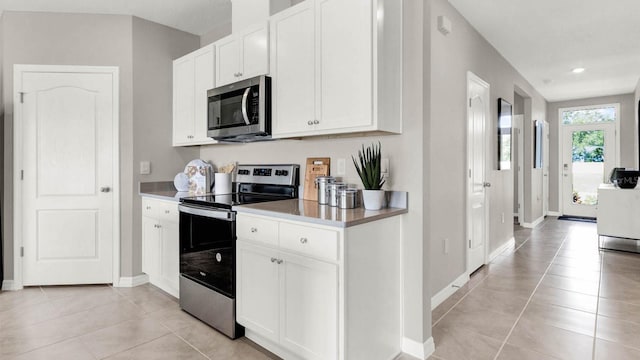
{"x": 347, "y": 198}
{"x": 322, "y": 184}
{"x": 334, "y": 190}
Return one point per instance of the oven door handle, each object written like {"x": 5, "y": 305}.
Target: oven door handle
{"x": 207, "y": 212}
{"x": 244, "y": 106}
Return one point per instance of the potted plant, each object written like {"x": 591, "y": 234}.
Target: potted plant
{"x": 369, "y": 170}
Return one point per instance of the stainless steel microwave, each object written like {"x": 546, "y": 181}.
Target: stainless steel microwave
{"x": 240, "y": 112}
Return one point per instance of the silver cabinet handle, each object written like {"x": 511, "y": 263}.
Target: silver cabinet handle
{"x": 486, "y": 184}
{"x": 309, "y": 122}
{"x": 105, "y": 189}
{"x": 279, "y": 261}
{"x": 239, "y": 74}
{"x": 167, "y": 211}
{"x": 148, "y": 207}
{"x": 316, "y": 122}
{"x": 273, "y": 260}
{"x": 254, "y": 230}
{"x": 303, "y": 240}
{"x": 159, "y": 226}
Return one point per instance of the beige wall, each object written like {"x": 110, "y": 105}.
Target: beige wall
{"x": 451, "y": 57}
{"x": 627, "y": 137}
{"x": 217, "y": 33}
{"x": 154, "y": 48}
{"x": 3, "y": 254}
{"x": 103, "y": 40}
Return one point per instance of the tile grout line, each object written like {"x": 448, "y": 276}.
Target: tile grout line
{"x": 188, "y": 343}
{"x": 470, "y": 290}
{"x": 530, "y": 297}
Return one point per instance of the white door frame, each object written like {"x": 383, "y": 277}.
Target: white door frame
{"x": 561, "y": 144}
{"x": 545, "y": 167}
{"x": 473, "y": 77}
{"x": 18, "y": 153}
{"x": 518, "y": 123}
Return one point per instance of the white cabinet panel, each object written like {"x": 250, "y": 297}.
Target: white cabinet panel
{"x": 346, "y": 63}
{"x": 309, "y": 307}
{"x": 192, "y": 77}
{"x": 243, "y": 55}
{"x": 160, "y": 244}
{"x": 257, "y": 289}
{"x": 293, "y": 68}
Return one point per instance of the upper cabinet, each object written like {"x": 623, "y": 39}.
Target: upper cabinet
{"x": 336, "y": 67}
{"x": 192, "y": 77}
{"x": 243, "y": 55}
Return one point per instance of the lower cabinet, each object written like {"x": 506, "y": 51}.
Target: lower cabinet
{"x": 309, "y": 291}
{"x": 289, "y": 299}
{"x": 160, "y": 244}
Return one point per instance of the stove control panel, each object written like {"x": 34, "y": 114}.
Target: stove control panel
{"x": 287, "y": 174}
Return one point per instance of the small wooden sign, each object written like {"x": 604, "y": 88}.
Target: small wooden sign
{"x": 315, "y": 167}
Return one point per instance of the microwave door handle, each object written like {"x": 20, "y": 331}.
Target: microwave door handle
{"x": 244, "y": 106}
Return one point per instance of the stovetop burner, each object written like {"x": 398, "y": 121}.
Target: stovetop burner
{"x": 256, "y": 183}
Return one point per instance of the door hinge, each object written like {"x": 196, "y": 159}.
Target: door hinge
{"x": 21, "y": 174}
{"x": 21, "y": 97}
{"x": 469, "y": 173}
{"x": 21, "y": 251}
{"x": 470, "y": 99}
{"x": 469, "y": 243}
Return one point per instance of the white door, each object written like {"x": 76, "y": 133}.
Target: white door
{"x": 588, "y": 155}
{"x": 477, "y": 114}
{"x": 68, "y": 119}
{"x": 545, "y": 168}
{"x": 518, "y": 121}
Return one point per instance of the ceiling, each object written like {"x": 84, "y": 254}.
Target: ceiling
{"x": 193, "y": 16}
{"x": 545, "y": 39}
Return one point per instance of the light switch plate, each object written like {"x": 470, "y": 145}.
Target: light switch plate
{"x": 145, "y": 167}
{"x": 342, "y": 165}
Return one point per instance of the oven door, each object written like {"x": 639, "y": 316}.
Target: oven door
{"x": 207, "y": 247}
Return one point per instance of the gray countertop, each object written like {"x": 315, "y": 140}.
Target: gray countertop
{"x": 312, "y": 212}
{"x": 294, "y": 209}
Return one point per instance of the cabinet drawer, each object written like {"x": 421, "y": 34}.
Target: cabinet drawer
{"x": 160, "y": 210}
{"x": 311, "y": 241}
{"x": 257, "y": 229}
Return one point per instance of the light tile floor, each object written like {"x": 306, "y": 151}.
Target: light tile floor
{"x": 554, "y": 296}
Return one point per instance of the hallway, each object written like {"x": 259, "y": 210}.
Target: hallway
{"x": 555, "y": 296}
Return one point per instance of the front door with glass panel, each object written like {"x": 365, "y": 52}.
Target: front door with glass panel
{"x": 589, "y": 153}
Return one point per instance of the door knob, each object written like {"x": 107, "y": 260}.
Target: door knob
{"x": 486, "y": 184}
{"x": 105, "y": 189}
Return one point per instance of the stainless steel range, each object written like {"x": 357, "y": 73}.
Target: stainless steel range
{"x": 208, "y": 242}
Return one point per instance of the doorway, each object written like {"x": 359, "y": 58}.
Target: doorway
{"x": 518, "y": 168}
{"x": 589, "y": 152}
{"x": 478, "y": 111}
{"x": 66, "y": 177}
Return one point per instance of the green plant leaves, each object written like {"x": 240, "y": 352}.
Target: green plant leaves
{"x": 369, "y": 166}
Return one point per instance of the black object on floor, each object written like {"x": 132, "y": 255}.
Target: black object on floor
{"x": 577, "y": 218}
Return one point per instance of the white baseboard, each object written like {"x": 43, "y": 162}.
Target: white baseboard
{"x": 10, "y": 285}
{"x": 554, "y": 213}
{"x": 416, "y": 349}
{"x": 509, "y": 244}
{"x": 132, "y": 281}
{"x": 533, "y": 224}
{"x": 443, "y": 294}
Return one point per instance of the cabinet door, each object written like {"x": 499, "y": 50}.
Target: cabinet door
{"x": 203, "y": 81}
{"x": 346, "y": 66}
{"x": 169, "y": 257}
{"x": 227, "y": 61}
{"x": 293, "y": 68}
{"x": 183, "y": 100}
{"x": 255, "y": 52}
{"x": 150, "y": 248}
{"x": 257, "y": 289}
{"x": 309, "y": 307}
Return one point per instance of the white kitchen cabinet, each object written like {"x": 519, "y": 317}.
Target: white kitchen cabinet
{"x": 243, "y": 55}
{"x": 160, "y": 244}
{"x": 327, "y": 80}
{"x": 292, "y": 292}
{"x": 193, "y": 75}
{"x": 618, "y": 212}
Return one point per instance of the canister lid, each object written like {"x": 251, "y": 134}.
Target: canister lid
{"x": 325, "y": 179}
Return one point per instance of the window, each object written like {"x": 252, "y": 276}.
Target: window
{"x": 589, "y": 115}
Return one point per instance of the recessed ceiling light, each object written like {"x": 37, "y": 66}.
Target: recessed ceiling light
{"x": 578, "y": 70}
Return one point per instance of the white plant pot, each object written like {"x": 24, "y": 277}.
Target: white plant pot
{"x": 373, "y": 199}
